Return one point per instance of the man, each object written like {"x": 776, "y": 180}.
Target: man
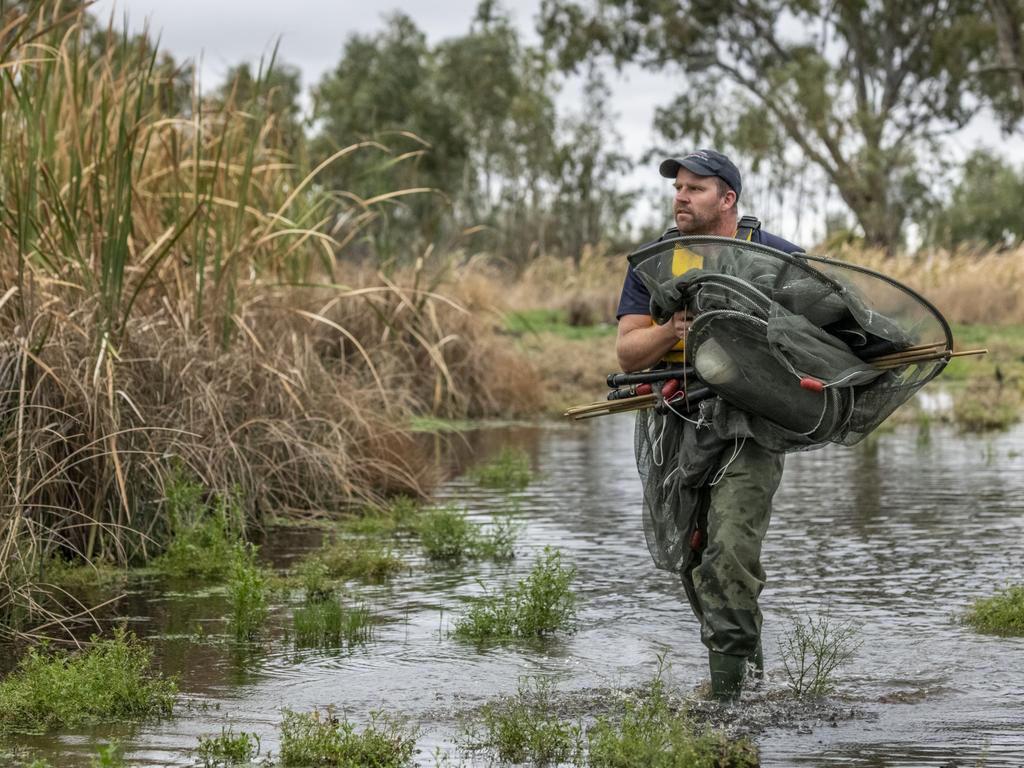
{"x": 723, "y": 577}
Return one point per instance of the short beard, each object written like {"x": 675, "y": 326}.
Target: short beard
{"x": 701, "y": 225}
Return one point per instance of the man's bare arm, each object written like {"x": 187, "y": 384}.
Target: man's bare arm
{"x": 640, "y": 345}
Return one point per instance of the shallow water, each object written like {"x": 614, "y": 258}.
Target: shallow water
{"x": 896, "y": 536}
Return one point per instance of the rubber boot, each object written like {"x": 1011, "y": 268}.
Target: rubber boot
{"x": 727, "y": 673}
{"x": 756, "y": 661}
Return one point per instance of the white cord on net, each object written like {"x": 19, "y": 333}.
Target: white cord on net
{"x": 657, "y": 449}
{"x": 739, "y": 443}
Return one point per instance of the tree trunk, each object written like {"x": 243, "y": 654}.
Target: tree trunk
{"x": 1011, "y": 51}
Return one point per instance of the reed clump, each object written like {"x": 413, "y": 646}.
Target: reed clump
{"x": 165, "y": 264}
{"x": 111, "y": 679}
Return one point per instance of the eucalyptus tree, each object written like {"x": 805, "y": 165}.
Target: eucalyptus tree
{"x": 384, "y": 92}
{"x": 863, "y": 89}
{"x": 984, "y": 206}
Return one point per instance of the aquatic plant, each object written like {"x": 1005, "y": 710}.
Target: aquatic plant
{"x": 228, "y": 749}
{"x": 79, "y": 575}
{"x": 812, "y": 649}
{"x": 1000, "y": 614}
{"x": 651, "y": 734}
{"x": 322, "y": 739}
{"x": 538, "y": 605}
{"x": 108, "y": 756}
{"x": 447, "y": 534}
{"x": 324, "y": 622}
{"x": 247, "y": 589}
{"x": 525, "y": 728}
{"x": 207, "y": 540}
{"x": 358, "y": 558}
{"x": 387, "y": 519}
{"x": 509, "y": 471}
{"x": 111, "y": 679}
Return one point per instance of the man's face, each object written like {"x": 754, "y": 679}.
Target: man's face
{"x": 697, "y": 207}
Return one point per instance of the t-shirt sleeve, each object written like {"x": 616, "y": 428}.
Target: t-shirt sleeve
{"x": 635, "y": 299}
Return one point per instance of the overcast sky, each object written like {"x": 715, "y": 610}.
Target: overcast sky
{"x": 312, "y": 33}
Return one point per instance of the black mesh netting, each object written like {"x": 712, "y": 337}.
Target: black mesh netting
{"x": 795, "y": 349}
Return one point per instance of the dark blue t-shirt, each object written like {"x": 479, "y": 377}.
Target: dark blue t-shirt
{"x": 635, "y": 299}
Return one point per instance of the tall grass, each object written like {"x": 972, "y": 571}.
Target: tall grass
{"x": 172, "y": 295}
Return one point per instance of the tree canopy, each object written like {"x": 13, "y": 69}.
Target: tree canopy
{"x": 863, "y": 89}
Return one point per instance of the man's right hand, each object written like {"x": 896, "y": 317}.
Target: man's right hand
{"x": 681, "y": 322}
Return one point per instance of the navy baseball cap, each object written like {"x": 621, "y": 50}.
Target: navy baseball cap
{"x": 704, "y": 162}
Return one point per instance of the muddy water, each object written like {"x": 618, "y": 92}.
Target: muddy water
{"x": 896, "y": 536}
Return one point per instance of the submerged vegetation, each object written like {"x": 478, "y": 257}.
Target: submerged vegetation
{"x": 1000, "y": 614}
{"x": 508, "y": 471}
{"x": 539, "y": 605}
{"x": 112, "y": 679}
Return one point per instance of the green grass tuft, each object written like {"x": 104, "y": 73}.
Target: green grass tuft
{"x": 554, "y": 321}
{"x": 323, "y": 622}
{"x": 538, "y": 605}
{"x": 248, "y": 590}
{"x": 651, "y": 735}
{"x": 398, "y": 515}
{"x": 509, "y": 471}
{"x": 522, "y": 729}
{"x": 111, "y": 680}
{"x": 321, "y": 739}
{"x": 1000, "y": 614}
{"x": 81, "y": 576}
{"x": 228, "y": 749}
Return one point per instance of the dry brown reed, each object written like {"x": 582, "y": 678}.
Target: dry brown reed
{"x": 970, "y": 287}
{"x": 171, "y": 295}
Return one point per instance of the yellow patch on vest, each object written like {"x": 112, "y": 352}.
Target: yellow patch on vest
{"x": 683, "y": 260}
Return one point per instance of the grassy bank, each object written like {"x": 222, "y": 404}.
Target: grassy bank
{"x": 175, "y": 296}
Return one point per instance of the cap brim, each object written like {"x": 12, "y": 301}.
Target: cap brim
{"x": 670, "y": 168}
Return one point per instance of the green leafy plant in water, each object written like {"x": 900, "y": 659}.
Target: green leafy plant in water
{"x": 1000, "y": 614}
{"x": 446, "y": 534}
{"x": 651, "y": 734}
{"x": 108, "y": 757}
{"x": 110, "y": 680}
{"x": 538, "y": 605}
{"x": 206, "y": 538}
{"x": 523, "y": 729}
{"x": 509, "y": 471}
{"x": 248, "y": 591}
{"x": 81, "y": 575}
{"x": 398, "y": 515}
{"x": 812, "y": 649}
{"x": 228, "y": 749}
{"x": 322, "y": 739}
